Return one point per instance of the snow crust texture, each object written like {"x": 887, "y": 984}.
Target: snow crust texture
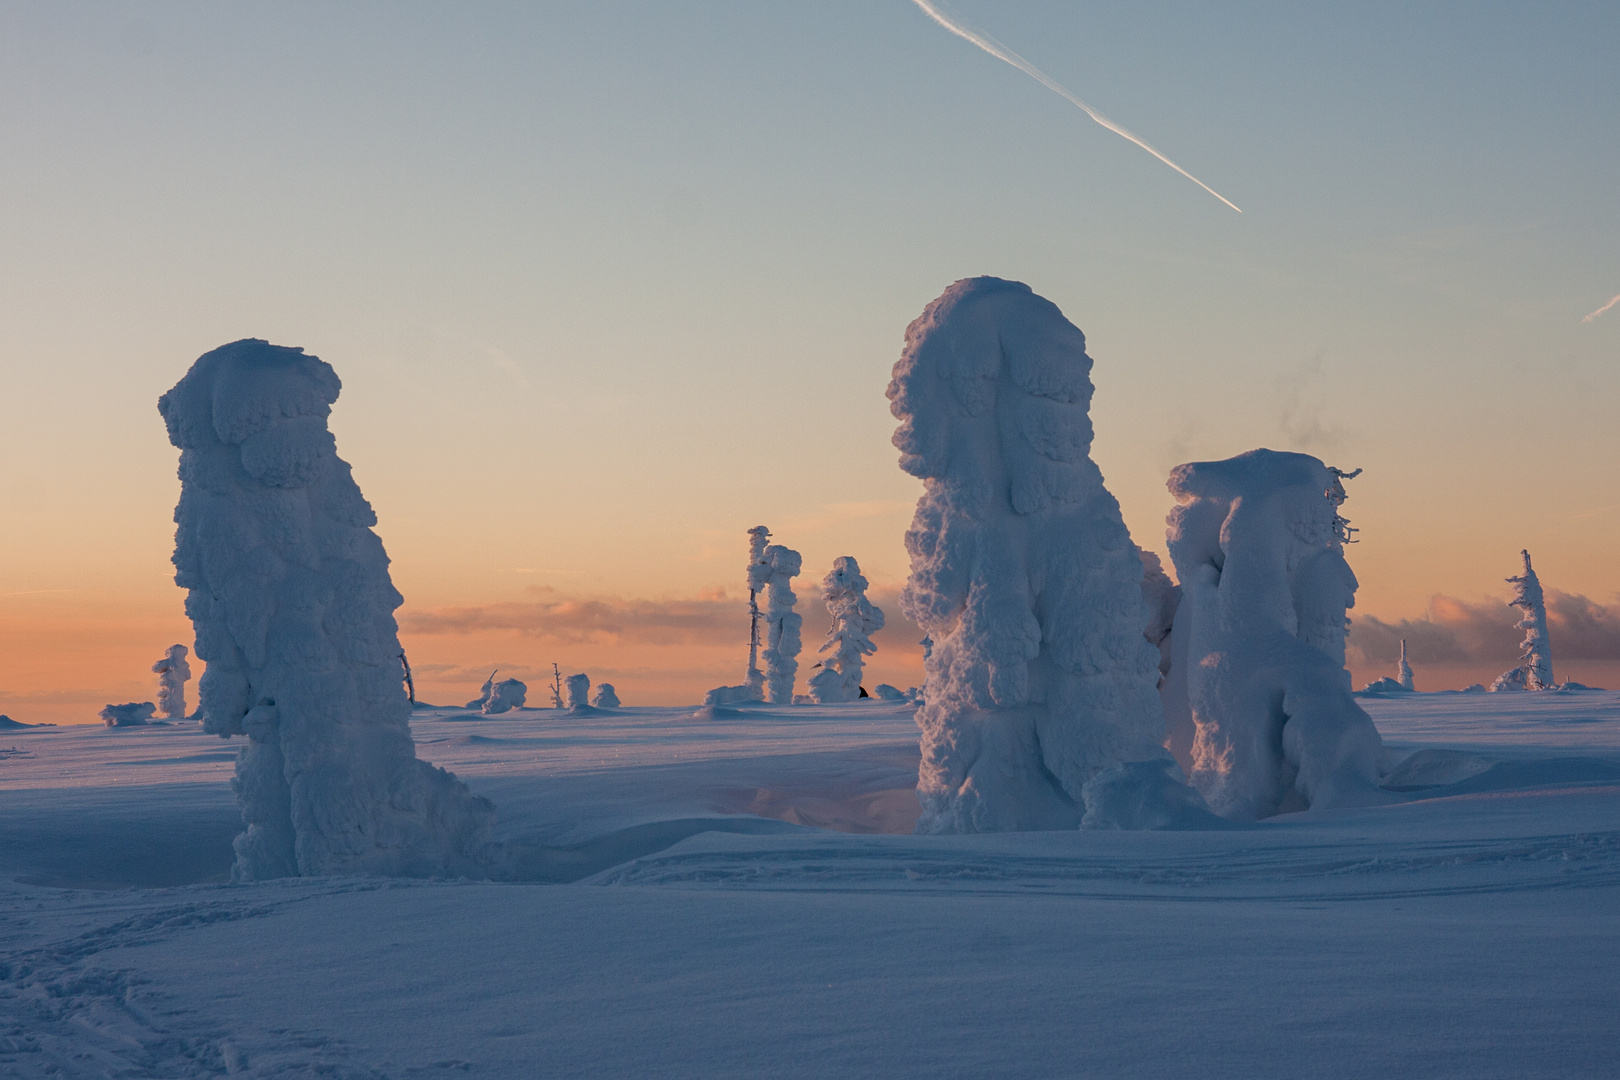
{"x": 849, "y": 640}
{"x": 289, "y": 594}
{"x": 172, "y": 672}
{"x": 1258, "y": 643}
{"x": 1023, "y": 576}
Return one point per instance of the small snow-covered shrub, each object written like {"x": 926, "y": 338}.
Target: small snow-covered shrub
{"x": 130, "y": 714}
{"x": 606, "y": 698}
{"x": 504, "y": 696}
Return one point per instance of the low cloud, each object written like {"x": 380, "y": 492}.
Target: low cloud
{"x": 1456, "y": 631}
{"x": 713, "y": 618}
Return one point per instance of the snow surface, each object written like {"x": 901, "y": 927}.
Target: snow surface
{"x": 737, "y": 895}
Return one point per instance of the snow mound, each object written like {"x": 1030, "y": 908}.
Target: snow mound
{"x": 8, "y": 723}
{"x": 1386, "y": 685}
{"x": 131, "y": 714}
{"x": 289, "y": 594}
{"x": 1023, "y": 574}
{"x": 1259, "y": 637}
{"x": 1436, "y": 768}
{"x": 718, "y": 712}
{"x": 885, "y": 692}
{"x": 1145, "y": 795}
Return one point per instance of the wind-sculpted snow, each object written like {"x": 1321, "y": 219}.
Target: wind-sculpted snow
{"x": 1258, "y": 646}
{"x": 289, "y": 594}
{"x": 1023, "y": 575}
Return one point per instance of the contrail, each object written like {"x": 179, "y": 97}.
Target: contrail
{"x": 1001, "y": 52}
{"x": 1600, "y": 310}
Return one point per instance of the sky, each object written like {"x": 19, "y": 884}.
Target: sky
{"x": 609, "y": 283}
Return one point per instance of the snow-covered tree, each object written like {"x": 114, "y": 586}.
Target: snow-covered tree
{"x": 606, "y": 698}
{"x": 289, "y": 593}
{"x": 484, "y": 691}
{"x": 782, "y": 623}
{"x": 1403, "y": 672}
{"x": 172, "y": 672}
{"x": 1257, "y": 650}
{"x": 1041, "y": 708}
{"x": 1536, "y": 659}
{"x": 759, "y": 572}
{"x": 579, "y": 691}
{"x": 504, "y": 696}
{"x": 849, "y": 639}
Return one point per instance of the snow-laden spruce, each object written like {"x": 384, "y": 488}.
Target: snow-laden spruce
{"x": 606, "y": 697}
{"x": 1403, "y": 672}
{"x": 289, "y": 593}
{"x": 172, "y": 672}
{"x": 782, "y": 624}
{"x": 1257, "y": 679}
{"x": 1042, "y": 709}
{"x": 758, "y": 571}
{"x": 849, "y": 640}
{"x": 1535, "y": 664}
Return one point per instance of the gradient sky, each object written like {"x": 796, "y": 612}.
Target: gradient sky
{"x": 609, "y": 283}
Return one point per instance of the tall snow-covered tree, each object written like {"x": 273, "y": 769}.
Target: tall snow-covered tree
{"x": 1403, "y": 673}
{"x": 849, "y": 640}
{"x": 1536, "y": 659}
{"x": 1257, "y": 649}
{"x": 289, "y": 594}
{"x": 579, "y": 691}
{"x": 172, "y": 672}
{"x": 1041, "y": 708}
{"x": 782, "y": 624}
{"x": 758, "y": 573}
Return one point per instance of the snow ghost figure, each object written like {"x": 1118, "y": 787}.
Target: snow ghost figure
{"x": 172, "y": 672}
{"x": 1535, "y": 665}
{"x": 1258, "y": 645}
{"x": 849, "y": 640}
{"x": 289, "y": 593}
{"x": 1042, "y": 709}
{"x": 504, "y": 696}
{"x": 606, "y": 697}
{"x": 579, "y": 691}
{"x": 1403, "y": 672}
{"x": 132, "y": 714}
{"x": 782, "y": 624}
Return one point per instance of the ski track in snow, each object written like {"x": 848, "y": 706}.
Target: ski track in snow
{"x": 666, "y": 822}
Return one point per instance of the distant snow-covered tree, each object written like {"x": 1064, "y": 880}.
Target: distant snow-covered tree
{"x": 1403, "y": 673}
{"x": 849, "y": 640}
{"x": 130, "y": 714}
{"x": 579, "y": 691}
{"x": 782, "y": 623}
{"x": 172, "y": 672}
{"x": 1536, "y": 659}
{"x": 606, "y": 698}
{"x": 758, "y": 572}
{"x": 504, "y": 696}
{"x": 483, "y": 691}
